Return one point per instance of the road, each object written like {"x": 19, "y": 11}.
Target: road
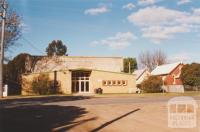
{"x": 117, "y": 100}
{"x": 88, "y": 114}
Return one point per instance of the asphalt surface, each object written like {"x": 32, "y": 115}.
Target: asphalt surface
{"x": 116, "y": 100}
{"x": 86, "y": 113}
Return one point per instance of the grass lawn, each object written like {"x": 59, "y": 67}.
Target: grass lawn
{"x": 187, "y": 93}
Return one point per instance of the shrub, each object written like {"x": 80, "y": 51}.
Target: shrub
{"x": 152, "y": 85}
{"x": 190, "y": 75}
{"x": 139, "y": 86}
{"x": 42, "y": 85}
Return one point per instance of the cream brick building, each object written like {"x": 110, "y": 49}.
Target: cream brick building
{"x": 83, "y": 75}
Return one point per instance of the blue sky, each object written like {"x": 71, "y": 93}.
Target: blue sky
{"x": 111, "y": 27}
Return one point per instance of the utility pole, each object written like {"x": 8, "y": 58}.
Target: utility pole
{"x": 129, "y": 67}
{"x": 3, "y": 16}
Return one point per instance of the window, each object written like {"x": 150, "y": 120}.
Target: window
{"x": 87, "y": 86}
{"x": 114, "y": 82}
{"x": 104, "y": 83}
{"x": 124, "y": 83}
{"x": 109, "y": 83}
{"x": 119, "y": 83}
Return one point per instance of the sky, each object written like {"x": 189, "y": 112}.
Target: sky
{"x": 110, "y": 27}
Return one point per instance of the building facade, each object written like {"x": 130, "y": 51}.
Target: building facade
{"x": 82, "y": 75}
{"x": 170, "y": 74}
{"x": 141, "y": 75}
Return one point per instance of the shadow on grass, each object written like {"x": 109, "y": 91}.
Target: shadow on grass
{"x": 41, "y": 118}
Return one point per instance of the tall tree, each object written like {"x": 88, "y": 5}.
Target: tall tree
{"x": 151, "y": 60}
{"x": 13, "y": 28}
{"x": 132, "y": 62}
{"x": 56, "y": 47}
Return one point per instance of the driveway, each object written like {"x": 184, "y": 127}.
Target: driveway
{"x": 82, "y": 114}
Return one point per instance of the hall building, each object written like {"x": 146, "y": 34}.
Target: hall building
{"x": 82, "y": 75}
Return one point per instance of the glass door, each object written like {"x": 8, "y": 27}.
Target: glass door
{"x": 80, "y": 82}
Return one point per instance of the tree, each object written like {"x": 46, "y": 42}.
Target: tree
{"x": 56, "y": 47}
{"x": 22, "y": 63}
{"x": 133, "y": 64}
{"x": 13, "y": 71}
{"x": 13, "y": 28}
{"x": 190, "y": 75}
{"x": 159, "y": 58}
{"x": 152, "y": 85}
{"x": 145, "y": 60}
{"x": 151, "y": 60}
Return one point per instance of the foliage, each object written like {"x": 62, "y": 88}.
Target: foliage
{"x": 22, "y": 63}
{"x": 13, "y": 71}
{"x": 133, "y": 64}
{"x": 56, "y": 47}
{"x": 151, "y": 60}
{"x": 152, "y": 85}
{"x": 13, "y": 28}
{"x": 42, "y": 85}
{"x": 139, "y": 86}
{"x": 190, "y": 74}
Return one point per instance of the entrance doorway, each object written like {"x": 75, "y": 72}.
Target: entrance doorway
{"x": 80, "y": 81}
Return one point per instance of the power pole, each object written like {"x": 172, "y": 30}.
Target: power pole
{"x": 129, "y": 67}
{"x": 3, "y": 16}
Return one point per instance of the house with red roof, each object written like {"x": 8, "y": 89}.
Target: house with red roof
{"x": 170, "y": 74}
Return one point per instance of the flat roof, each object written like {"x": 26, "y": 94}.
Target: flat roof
{"x": 81, "y": 56}
{"x": 79, "y": 69}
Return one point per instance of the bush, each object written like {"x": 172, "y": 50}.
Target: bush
{"x": 42, "y": 85}
{"x": 152, "y": 85}
{"x": 190, "y": 75}
{"x": 139, "y": 86}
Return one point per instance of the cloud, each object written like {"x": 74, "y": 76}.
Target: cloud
{"x": 181, "y": 57}
{"x": 159, "y": 33}
{"x": 196, "y": 11}
{"x": 160, "y": 23}
{"x": 96, "y": 11}
{"x": 155, "y": 15}
{"x": 181, "y": 2}
{"x": 119, "y": 41}
{"x": 146, "y": 2}
{"x": 129, "y": 6}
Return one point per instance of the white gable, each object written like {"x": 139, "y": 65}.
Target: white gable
{"x": 164, "y": 69}
{"x": 139, "y": 73}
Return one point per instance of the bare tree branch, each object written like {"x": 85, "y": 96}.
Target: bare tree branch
{"x": 13, "y": 28}
{"x": 151, "y": 60}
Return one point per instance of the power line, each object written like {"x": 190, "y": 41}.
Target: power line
{"x": 32, "y": 45}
